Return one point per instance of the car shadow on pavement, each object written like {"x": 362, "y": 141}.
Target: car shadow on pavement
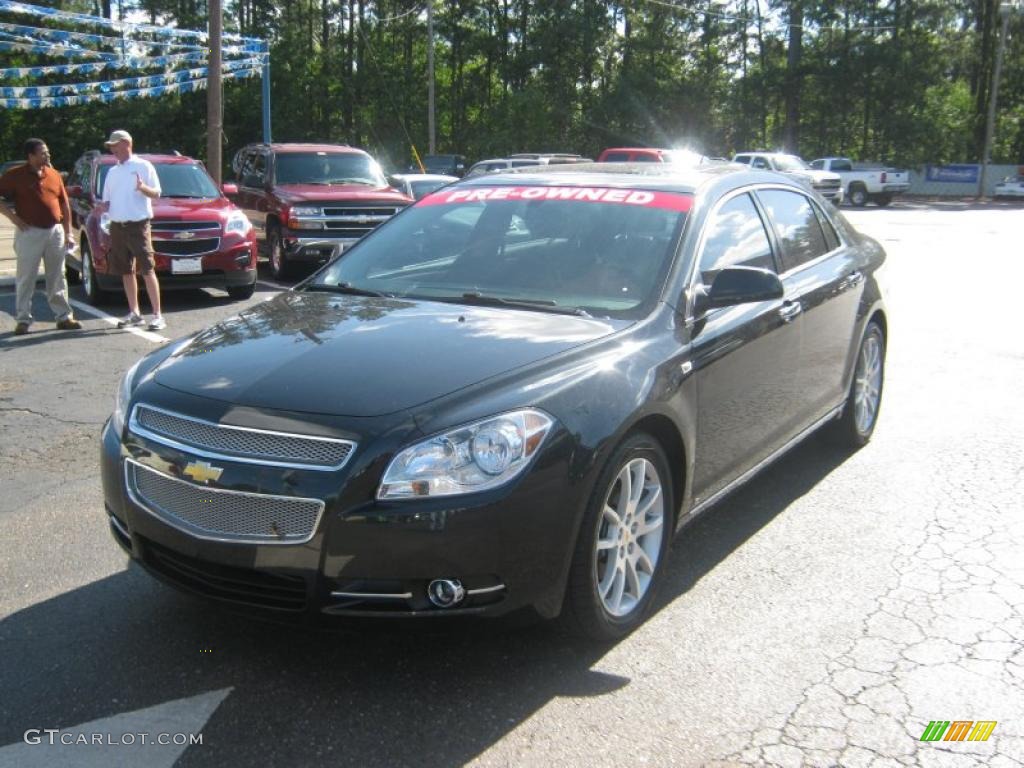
{"x": 383, "y": 693}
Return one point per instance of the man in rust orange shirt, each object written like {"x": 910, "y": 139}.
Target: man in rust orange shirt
{"x": 42, "y": 217}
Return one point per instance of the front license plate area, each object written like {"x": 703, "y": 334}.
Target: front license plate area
{"x": 187, "y": 266}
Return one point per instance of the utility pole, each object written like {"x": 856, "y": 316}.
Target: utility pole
{"x": 214, "y": 94}
{"x": 430, "y": 76}
{"x": 990, "y": 123}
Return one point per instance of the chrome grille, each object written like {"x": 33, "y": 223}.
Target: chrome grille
{"x": 254, "y": 446}
{"x": 162, "y": 225}
{"x": 186, "y": 247}
{"x": 214, "y": 513}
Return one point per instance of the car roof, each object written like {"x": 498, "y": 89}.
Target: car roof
{"x": 424, "y": 177}
{"x": 300, "y": 146}
{"x": 153, "y": 158}
{"x": 636, "y": 149}
{"x": 660, "y": 176}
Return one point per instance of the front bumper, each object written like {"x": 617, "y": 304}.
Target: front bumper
{"x": 509, "y": 548}
{"x": 315, "y": 250}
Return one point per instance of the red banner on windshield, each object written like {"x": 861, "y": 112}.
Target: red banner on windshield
{"x": 640, "y": 197}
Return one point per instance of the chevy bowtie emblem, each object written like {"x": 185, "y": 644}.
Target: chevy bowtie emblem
{"x": 203, "y": 472}
{"x": 184, "y": 235}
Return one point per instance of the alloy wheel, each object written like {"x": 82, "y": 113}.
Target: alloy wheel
{"x": 867, "y": 383}
{"x": 628, "y": 543}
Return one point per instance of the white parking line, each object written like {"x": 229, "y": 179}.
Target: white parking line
{"x": 90, "y": 310}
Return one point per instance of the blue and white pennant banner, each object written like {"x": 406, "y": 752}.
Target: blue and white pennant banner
{"x": 140, "y": 93}
{"x": 144, "y": 62}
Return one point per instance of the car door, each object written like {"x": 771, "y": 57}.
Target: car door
{"x": 251, "y": 190}
{"x": 744, "y": 357}
{"x": 822, "y": 273}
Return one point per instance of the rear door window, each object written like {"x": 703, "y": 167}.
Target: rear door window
{"x": 796, "y": 225}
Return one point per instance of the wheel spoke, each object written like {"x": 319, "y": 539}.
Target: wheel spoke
{"x": 632, "y": 581}
{"x": 643, "y": 561}
{"x": 618, "y": 585}
{"x": 625, "y": 491}
{"x": 652, "y": 499}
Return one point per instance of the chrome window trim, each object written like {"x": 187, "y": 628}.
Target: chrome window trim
{"x": 136, "y": 428}
{"x": 195, "y": 532}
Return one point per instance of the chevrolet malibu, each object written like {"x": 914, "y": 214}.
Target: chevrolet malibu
{"x": 509, "y": 397}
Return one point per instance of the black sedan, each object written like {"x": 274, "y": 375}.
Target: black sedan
{"x": 508, "y": 397}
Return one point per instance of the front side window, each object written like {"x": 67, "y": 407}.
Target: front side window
{"x": 601, "y": 251}
{"x": 796, "y": 224}
{"x": 735, "y": 236}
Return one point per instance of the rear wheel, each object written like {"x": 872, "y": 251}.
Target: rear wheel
{"x": 623, "y": 542}
{"x": 860, "y": 413}
{"x": 858, "y": 195}
{"x": 883, "y": 200}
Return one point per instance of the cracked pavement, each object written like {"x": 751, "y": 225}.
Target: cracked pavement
{"x": 822, "y": 615}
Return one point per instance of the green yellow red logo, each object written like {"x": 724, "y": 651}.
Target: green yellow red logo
{"x": 958, "y": 730}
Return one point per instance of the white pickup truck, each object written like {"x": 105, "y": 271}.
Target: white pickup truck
{"x": 863, "y": 183}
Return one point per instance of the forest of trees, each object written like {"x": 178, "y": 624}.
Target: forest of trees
{"x": 904, "y": 81}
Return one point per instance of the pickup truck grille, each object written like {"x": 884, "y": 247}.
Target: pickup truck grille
{"x": 828, "y": 184}
{"x": 355, "y": 221}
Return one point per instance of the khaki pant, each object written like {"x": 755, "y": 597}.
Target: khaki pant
{"x": 32, "y": 245}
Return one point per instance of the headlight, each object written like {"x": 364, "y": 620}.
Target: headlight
{"x": 476, "y": 457}
{"x": 124, "y": 394}
{"x": 105, "y": 222}
{"x": 304, "y": 211}
{"x": 237, "y": 222}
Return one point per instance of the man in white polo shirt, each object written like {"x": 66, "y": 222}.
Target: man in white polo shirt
{"x": 127, "y": 191}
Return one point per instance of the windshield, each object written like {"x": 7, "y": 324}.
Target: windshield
{"x": 595, "y": 250}
{"x": 423, "y": 188}
{"x": 176, "y": 180}
{"x": 327, "y": 168}
{"x": 789, "y": 163}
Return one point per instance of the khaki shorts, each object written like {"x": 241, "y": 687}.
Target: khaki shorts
{"x": 130, "y": 245}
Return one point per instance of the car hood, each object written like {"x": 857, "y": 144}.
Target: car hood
{"x": 355, "y": 356}
{"x": 816, "y": 176}
{"x": 349, "y": 193}
{"x": 173, "y": 208}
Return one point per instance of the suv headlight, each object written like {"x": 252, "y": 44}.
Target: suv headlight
{"x": 301, "y": 211}
{"x": 237, "y": 222}
{"x": 124, "y": 395}
{"x": 105, "y": 222}
{"x": 475, "y": 457}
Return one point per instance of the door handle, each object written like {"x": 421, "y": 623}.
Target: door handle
{"x": 852, "y": 280}
{"x": 789, "y": 310}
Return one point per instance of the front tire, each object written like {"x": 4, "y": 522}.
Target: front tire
{"x": 623, "y": 542}
{"x": 860, "y": 413}
{"x": 241, "y": 292}
{"x": 280, "y": 267}
{"x": 90, "y": 283}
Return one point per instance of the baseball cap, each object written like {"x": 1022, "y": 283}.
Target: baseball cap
{"x": 116, "y": 136}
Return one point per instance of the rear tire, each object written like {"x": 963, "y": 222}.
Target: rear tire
{"x": 883, "y": 200}
{"x": 623, "y": 542}
{"x": 860, "y": 412}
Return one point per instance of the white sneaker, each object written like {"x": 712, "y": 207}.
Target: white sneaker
{"x": 131, "y": 321}
{"x": 157, "y": 323}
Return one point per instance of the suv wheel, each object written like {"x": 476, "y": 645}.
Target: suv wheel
{"x": 241, "y": 292}
{"x": 90, "y": 284}
{"x": 280, "y": 267}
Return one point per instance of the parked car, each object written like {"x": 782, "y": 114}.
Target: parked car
{"x": 200, "y": 238}
{"x": 309, "y": 202}
{"x": 825, "y": 183}
{"x": 1011, "y": 186}
{"x": 862, "y": 183}
{"x": 510, "y": 396}
{"x": 499, "y": 164}
{"x": 444, "y": 165}
{"x": 650, "y": 155}
{"x": 8, "y": 164}
{"x": 418, "y": 185}
{"x": 551, "y": 158}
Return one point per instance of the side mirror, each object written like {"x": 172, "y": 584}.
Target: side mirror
{"x": 252, "y": 180}
{"x": 75, "y": 190}
{"x": 739, "y": 285}
{"x": 229, "y": 189}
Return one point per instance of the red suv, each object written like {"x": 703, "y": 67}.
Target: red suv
{"x": 309, "y": 202}
{"x": 200, "y": 238}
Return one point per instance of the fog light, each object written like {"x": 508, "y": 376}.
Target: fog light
{"x": 444, "y": 593}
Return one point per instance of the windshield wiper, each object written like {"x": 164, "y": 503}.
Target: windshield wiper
{"x": 349, "y": 290}
{"x": 544, "y": 305}
{"x": 368, "y": 182}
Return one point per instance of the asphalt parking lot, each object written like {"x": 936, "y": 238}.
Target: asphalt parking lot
{"x": 824, "y": 614}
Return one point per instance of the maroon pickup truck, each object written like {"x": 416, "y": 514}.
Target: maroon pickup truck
{"x": 309, "y": 202}
{"x": 200, "y": 238}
